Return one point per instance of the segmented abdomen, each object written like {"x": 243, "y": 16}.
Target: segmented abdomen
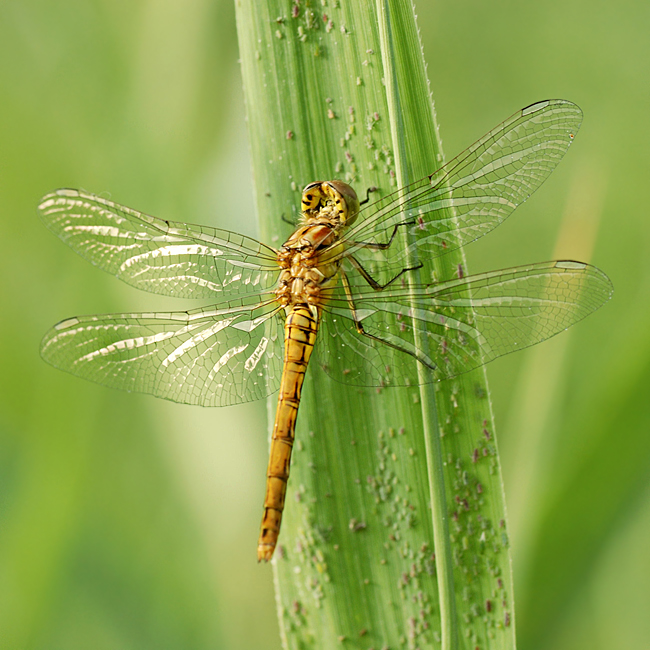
{"x": 300, "y": 331}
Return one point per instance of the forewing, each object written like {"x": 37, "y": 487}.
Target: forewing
{"x": 463, "y": 323}
{"x": 473, "y": 193}
{"x": 164, "y": 257}
{"x": 217, "y": 356}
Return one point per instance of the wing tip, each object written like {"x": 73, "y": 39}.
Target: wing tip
{"x": 53, "y": 334}
{"x": 66, "y": 324}
{"x": 61, "y": 192}
{"x": 554, "y": 104}
{"x": 604, "y": 283}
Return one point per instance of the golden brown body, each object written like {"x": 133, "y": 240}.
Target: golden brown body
{"x": 327, "y": 207}
{"x": 300, "y": 335}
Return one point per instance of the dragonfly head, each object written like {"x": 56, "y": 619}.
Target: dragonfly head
{"x": 334, "y": 201}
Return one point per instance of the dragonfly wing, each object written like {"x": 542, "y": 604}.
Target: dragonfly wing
{"x": 358, "y": 360}
{"x": 387, "y": 356}
{"x": 463, "y": 323}
{"x": 216, "y": 356}
{"x": 476, "y": 191}
{"x": 173, "y": 259}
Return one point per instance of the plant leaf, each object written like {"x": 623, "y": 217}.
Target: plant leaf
{"x": 340, "y": 91}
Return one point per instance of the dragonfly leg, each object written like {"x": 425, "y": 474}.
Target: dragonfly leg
{"x": 360, "y": 329}
{"x": 380, "y": 247}
{"x": 368, "y": 192}
{"x": 293, "y": 223}
{"x": 371, "y": 281}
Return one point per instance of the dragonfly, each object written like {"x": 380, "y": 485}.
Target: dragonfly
{"x": 346, "y": 286}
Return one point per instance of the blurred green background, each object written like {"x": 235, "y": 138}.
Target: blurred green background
{"x": 129, "y": 522}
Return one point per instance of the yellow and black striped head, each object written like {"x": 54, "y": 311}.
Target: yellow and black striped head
{"x": 332, "y": 200}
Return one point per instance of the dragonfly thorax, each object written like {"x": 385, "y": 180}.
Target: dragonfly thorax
{"x": 305, "y": 274}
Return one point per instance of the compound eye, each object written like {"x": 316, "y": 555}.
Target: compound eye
{"x": 309, "y": 201}
{"x": 311, "y": 197}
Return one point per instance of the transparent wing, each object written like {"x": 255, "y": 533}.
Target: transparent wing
{"x": 217, "y": 356}
{"x": 464, "y": 323}
{"x": 173, "y": 259}
{"x": 473, "y": 193}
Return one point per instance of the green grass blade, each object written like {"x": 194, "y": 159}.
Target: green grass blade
{"x": 341, "y": 92}
{"x": 395, "y": 95}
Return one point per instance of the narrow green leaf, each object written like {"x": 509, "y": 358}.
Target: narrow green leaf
{"x": 378, "y": 476}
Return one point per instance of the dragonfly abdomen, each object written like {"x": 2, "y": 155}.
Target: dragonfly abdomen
{"x": 300, "y": 331}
